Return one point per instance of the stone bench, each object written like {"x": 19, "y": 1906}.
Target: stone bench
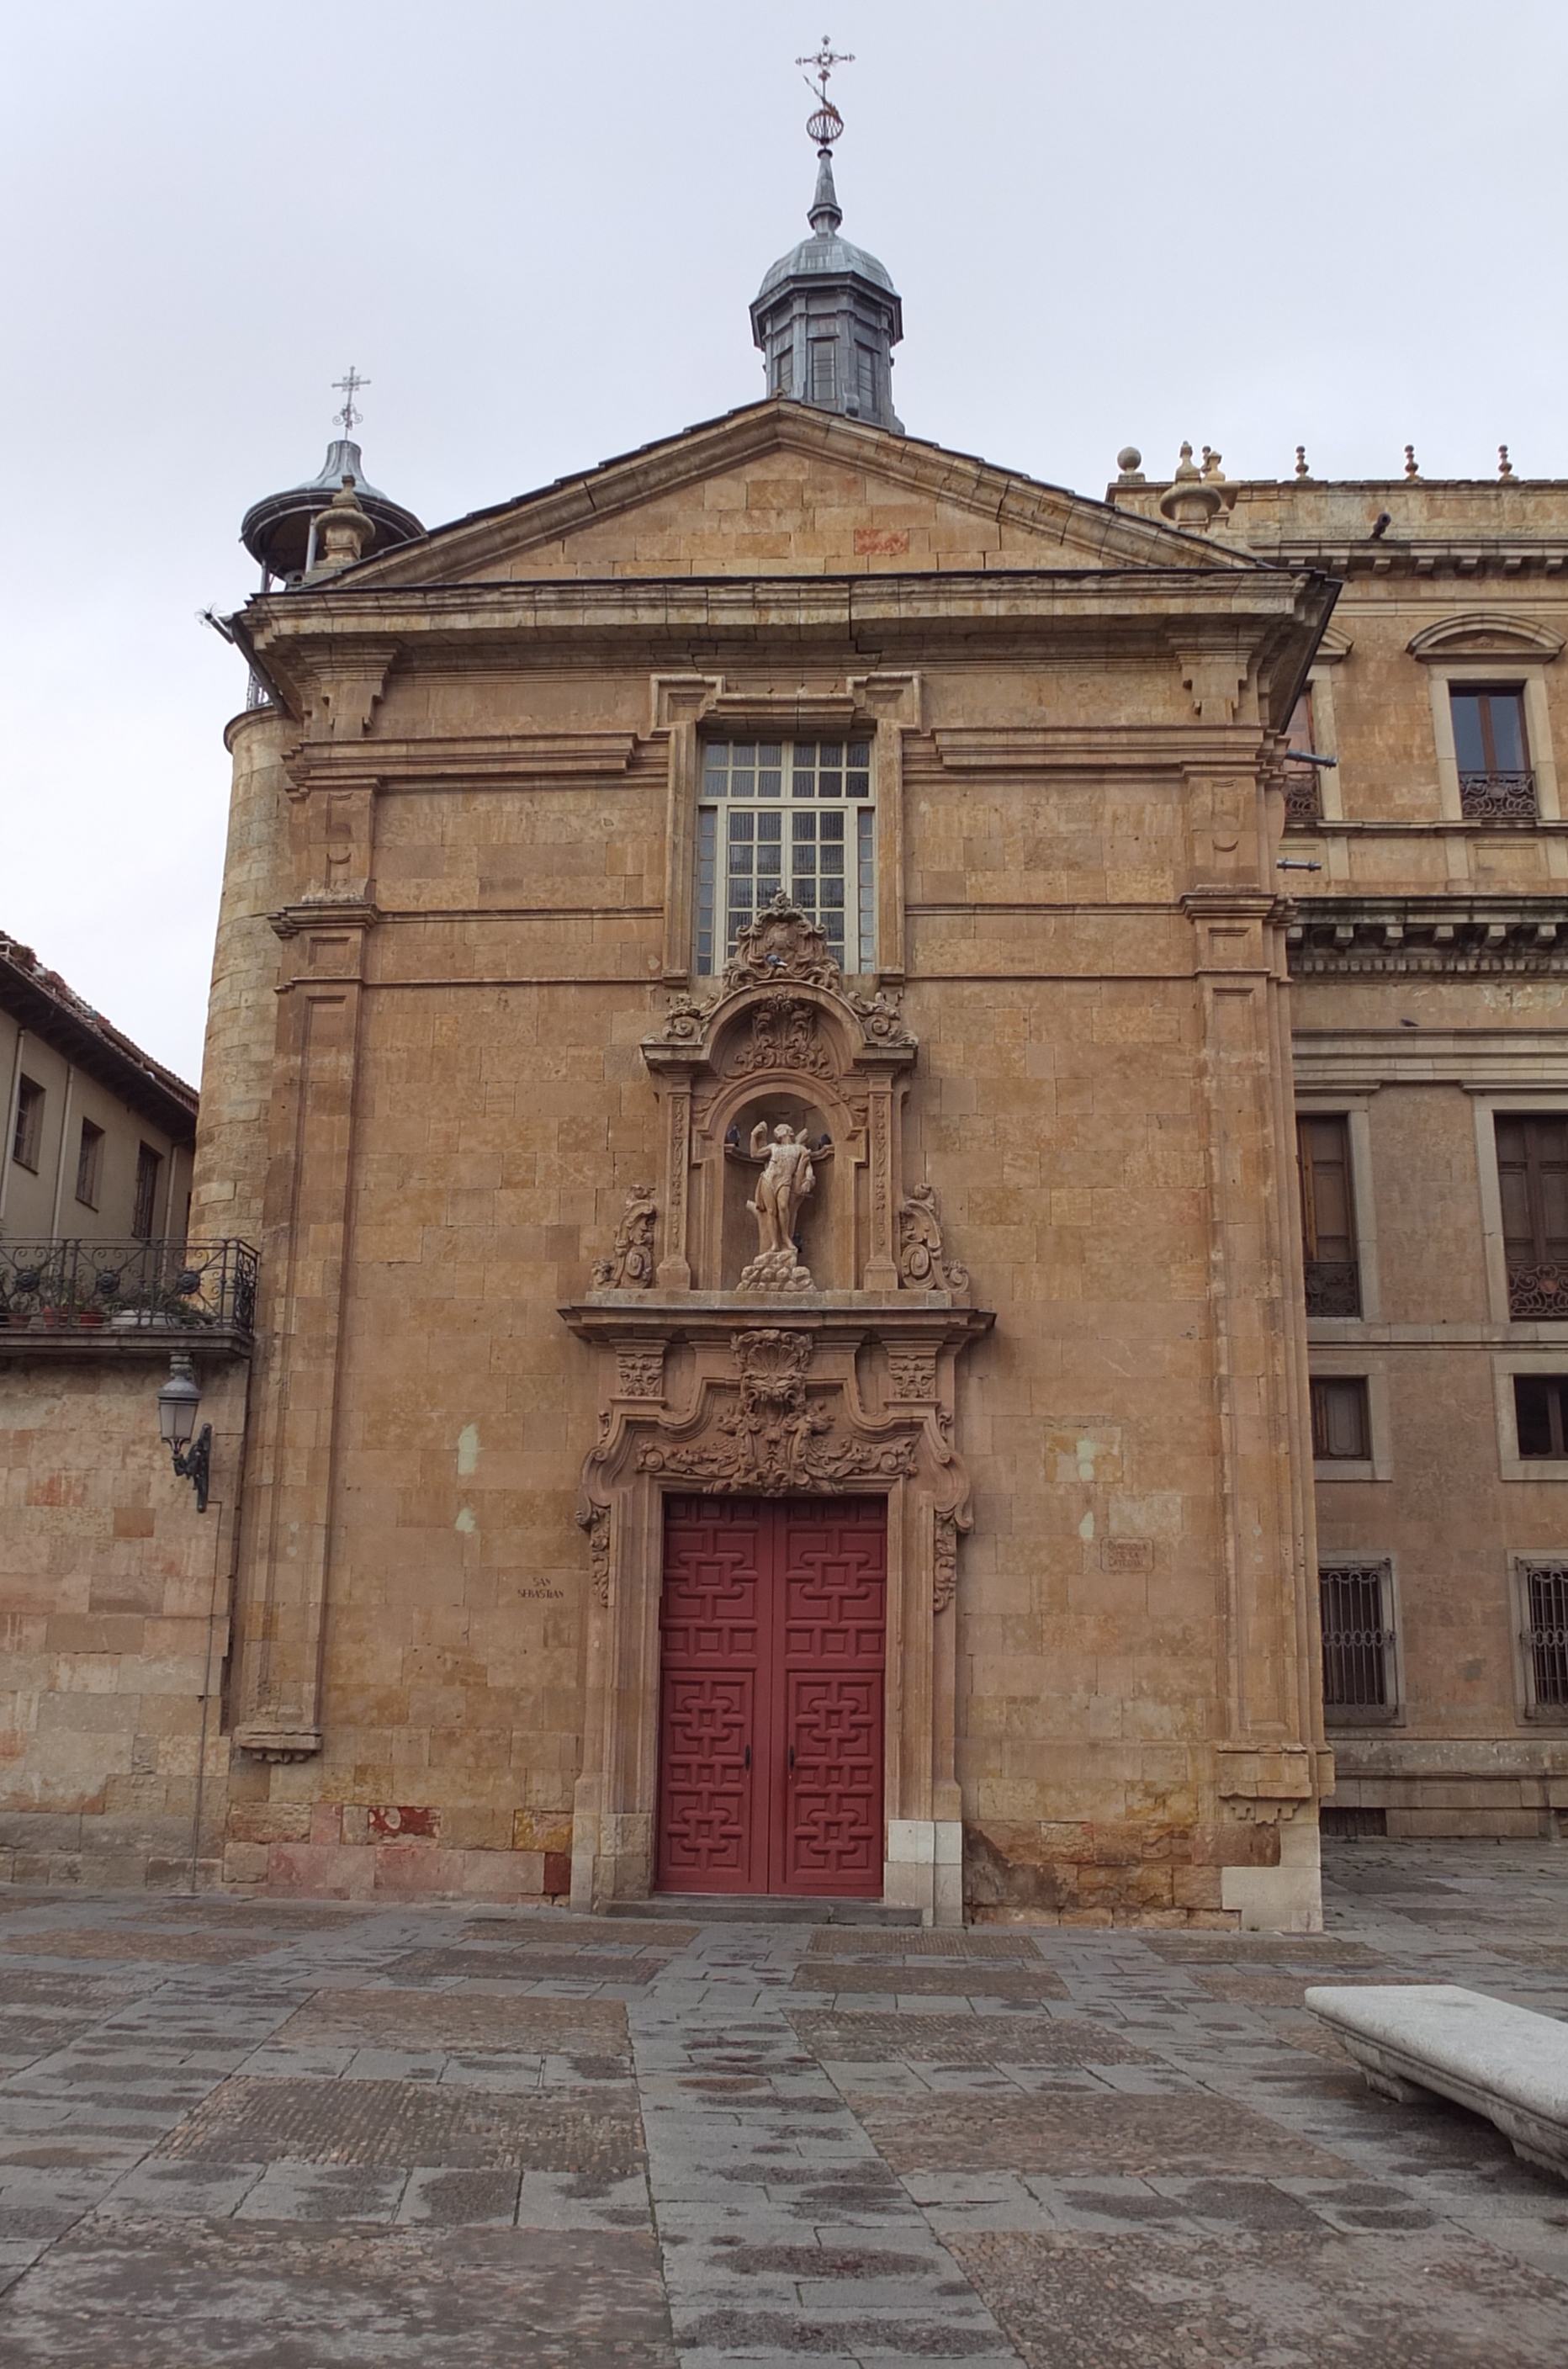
{"x": 1501, "y": 2061}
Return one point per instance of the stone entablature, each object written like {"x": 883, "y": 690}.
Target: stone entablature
{"x": 1336, "y": 936}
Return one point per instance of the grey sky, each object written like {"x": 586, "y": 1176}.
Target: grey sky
{"x": 536, "y": 230}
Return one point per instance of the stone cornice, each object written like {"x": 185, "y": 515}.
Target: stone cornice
{"x": 497, "y": 760}
{"x": 1264, "y": 618}
{"x": 1492, "y": 555}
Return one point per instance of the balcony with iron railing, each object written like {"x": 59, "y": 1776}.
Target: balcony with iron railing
{"x": 1538, "y": 1290}
{"x": 1498, "y": 798}
{"x": 77, "y": 1299}
{"x": 1333, "y": 1287}
{"x": 1303, "y": 798}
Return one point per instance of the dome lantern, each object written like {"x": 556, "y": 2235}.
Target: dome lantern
{"x": 826, "y": 316}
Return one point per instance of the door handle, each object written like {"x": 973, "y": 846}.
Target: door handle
{"x": 792, "y": 1759}
{"x": 748, "y": 1755}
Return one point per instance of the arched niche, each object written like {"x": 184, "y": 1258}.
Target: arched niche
{"x": 785, "y": 1040}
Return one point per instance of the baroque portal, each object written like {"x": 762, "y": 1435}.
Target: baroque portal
{"x": 793, "y": 1328}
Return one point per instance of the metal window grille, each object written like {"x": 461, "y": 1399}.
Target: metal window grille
{"x": 796, "y": 814}
{"x": 1546, "y": 1588}
{"x": 824, "y": 374}
{"x": 1357, "y": 1636}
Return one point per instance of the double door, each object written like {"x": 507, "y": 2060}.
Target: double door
{"x": 773, "y": 1643}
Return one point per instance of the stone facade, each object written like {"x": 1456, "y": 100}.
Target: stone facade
{"x": 463, "y": 878}
{"x": 470, "y": 1090}
{"x": 1429, "y": 955}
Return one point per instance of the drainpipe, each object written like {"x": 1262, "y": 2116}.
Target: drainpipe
{"x": 11, "y": 1102}
{"x": 59, "y": 1164}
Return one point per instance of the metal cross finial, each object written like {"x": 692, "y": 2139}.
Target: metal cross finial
{"x": 826, "y": 59}
{"x": 348, "y": 387}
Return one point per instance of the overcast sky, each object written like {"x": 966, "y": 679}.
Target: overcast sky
{"x": 536, "y": 229}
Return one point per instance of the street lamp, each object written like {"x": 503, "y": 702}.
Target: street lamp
{"x": 177, "y": 1404}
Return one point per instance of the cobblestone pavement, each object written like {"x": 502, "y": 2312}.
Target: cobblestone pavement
{"x": 278, "y": 2135}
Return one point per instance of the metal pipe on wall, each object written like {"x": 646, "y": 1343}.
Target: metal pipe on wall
{"x": 59, "y": 1162}
{"x": 12, "y": 1100}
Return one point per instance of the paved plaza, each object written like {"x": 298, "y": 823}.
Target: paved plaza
{"x": 291, "y": 2135}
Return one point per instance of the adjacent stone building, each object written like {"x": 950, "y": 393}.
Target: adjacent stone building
{"x": 769, "y": 1004}
{"x": 1428, "y": 951}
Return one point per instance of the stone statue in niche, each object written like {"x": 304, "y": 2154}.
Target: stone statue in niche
{"x": 787, "y": 1181}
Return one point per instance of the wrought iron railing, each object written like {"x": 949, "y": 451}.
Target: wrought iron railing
{"x": 1303, "y": 798}
{"x": 1498, "y": 797}
{"x": 155, "y": 1287}
{"x": 1357, "y": 1641}
{"x": 1538, "y": 1290}
{"x": 1333, "y": 1287}
{"x": 1546, "y": 1639}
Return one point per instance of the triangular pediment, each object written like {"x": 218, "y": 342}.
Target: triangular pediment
{"x": 780, "y": 489}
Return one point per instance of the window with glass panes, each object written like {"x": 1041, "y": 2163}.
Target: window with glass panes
{"x": 796, "y": 814}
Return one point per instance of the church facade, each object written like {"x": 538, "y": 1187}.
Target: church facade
{"x": 778, "y": 1008}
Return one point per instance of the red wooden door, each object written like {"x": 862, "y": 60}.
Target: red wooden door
{"x": 773, "y": 1644}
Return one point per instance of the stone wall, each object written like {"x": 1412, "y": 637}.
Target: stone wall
{"x": 114, "y": 1600}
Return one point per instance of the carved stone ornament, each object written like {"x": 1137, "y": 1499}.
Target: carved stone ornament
{"x": 684, "y": 1021}
{"x": 944, "y": 1577}
{"x": 595, "y": 1521}
{"x": 912, "y": 1373}
{"x": 782, "y": 942}
{"x": 783, "y": 1036}
{"x": 774, "y": 1439}
{"x": 881, "y": 1018}
{"x": 921, "y": 1262}
{"x": 640, "y": 1373}
{"x": 629, "y": 1267}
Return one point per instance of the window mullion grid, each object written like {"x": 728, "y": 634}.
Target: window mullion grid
{"x": 831, "y": 869}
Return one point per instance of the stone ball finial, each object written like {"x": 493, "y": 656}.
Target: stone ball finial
{"x": 1129, "y": 461}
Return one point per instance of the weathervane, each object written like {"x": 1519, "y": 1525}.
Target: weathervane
{"x": 825, "y": 123}
{"x": 348, "y": 387}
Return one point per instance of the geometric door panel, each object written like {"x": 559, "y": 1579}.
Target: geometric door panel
{"x": 772, "y": 1634}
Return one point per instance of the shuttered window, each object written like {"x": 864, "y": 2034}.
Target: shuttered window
{"x": 1533, "y": 1177}
{"x": 1341, "y": 1428}
{"x": 1328, "y": 1225}
{"x": 148, "y": 1163}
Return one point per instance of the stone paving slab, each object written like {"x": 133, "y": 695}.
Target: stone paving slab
{"x": 126, "y": 1940}
{"x": 291, "y": 2296}
{"x": 888, "y": 1979}
{"x": 577, "y": 2141}
{"x": 387, "y": 2123}
{"x": 852, "y": 2037}
{"x": 1286, "y": 2298}
{"x": 452, "y": 2020}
